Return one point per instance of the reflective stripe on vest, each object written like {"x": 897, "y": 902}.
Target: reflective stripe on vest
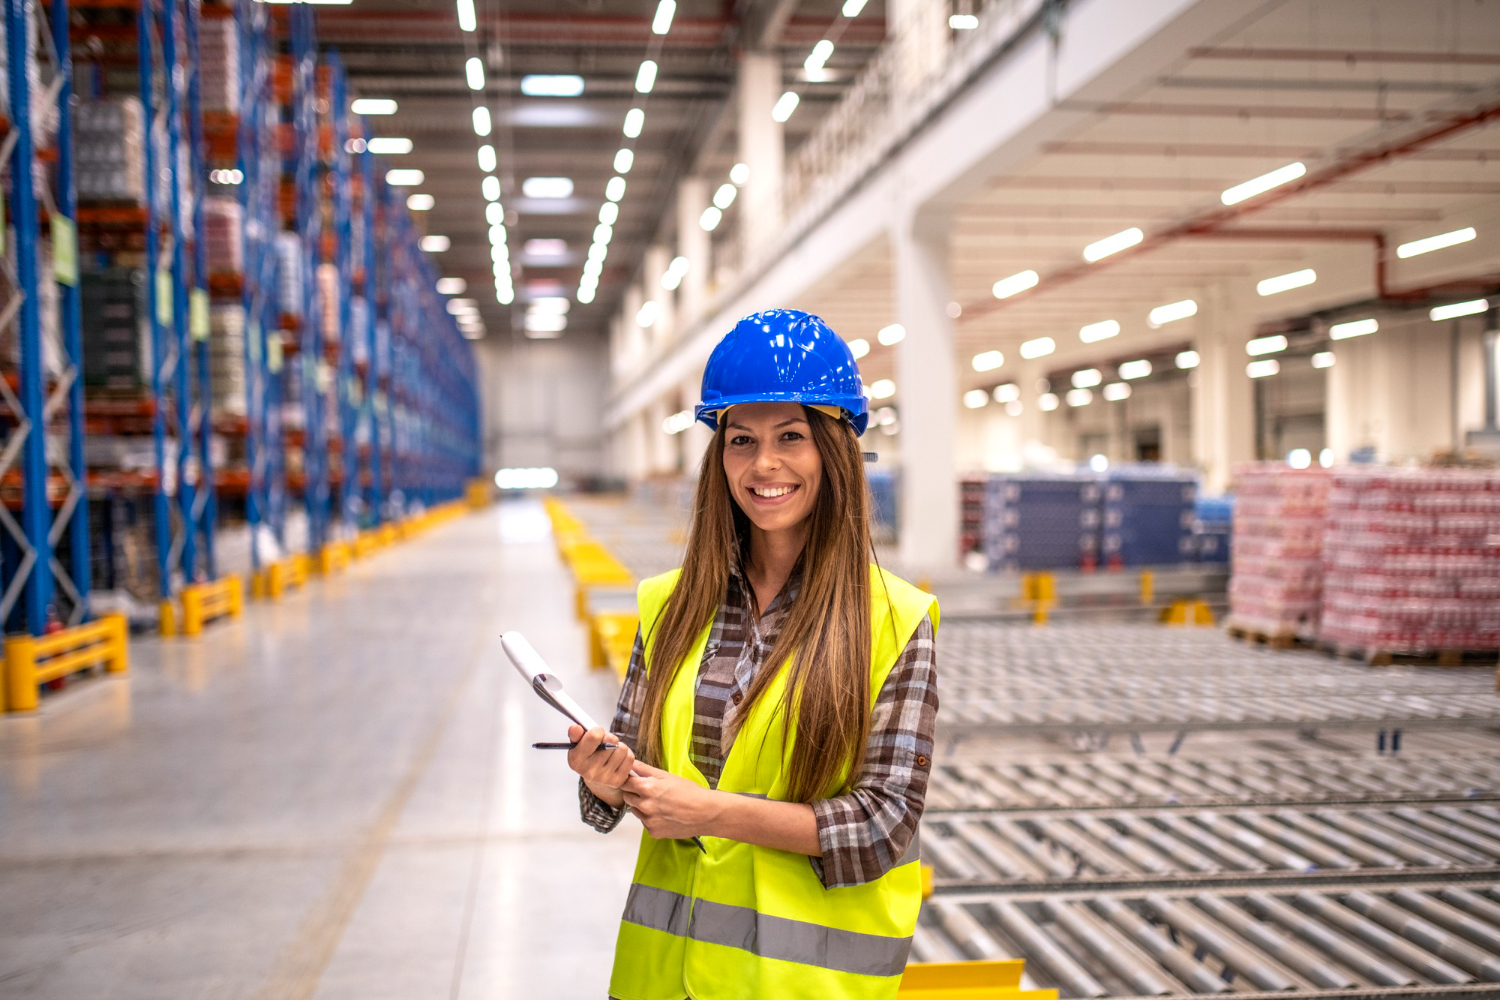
{"x": 740, "y": 922}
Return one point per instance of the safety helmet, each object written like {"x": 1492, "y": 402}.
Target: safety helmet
{"x": 783, "y": 356}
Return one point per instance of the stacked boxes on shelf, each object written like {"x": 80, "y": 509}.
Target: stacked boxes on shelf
{"x": 226, "y": 342}
{"x": 223, "y": 234}
{"x": 1412, "y": 560}
{"x": 1038, "y": 521}
{"x": 971, "y": 491}
{"x": 219, "y": 55}
{"x": 116, "y": 347}
{"x": 1276, "y": 589}
{"x": 1212, "y": 525}
{"x": 289, "y": 273}
{"x": 110, "y": 150}
{"x": 1148, "y": 516}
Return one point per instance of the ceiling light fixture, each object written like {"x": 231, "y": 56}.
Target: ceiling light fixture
{"x": 482, "y": 121}
{"x": 785, "y": 105}
{"x": 1266, "y": 345}
{"x": 609, "y": 213}
{"x": 373, "y": 106}
{"x": 466, "y": 19}
{"x": 891, "y": 335}
{"x": 494, "y": 214}
{"x": 662, "y": 22}
{"x": 1323, "y": 359}
{"x": 1087, "y": 378}
{"x": 547, "y": 187}
{"x": 963, "y": 22}
{"x": 1100, "y": 249}
{"x": 710, "y": 219}
{"x": 1353, "y": 328}
{"x": 1079, "y": 397}
{"x": 1187, "y": 359}
{"x": 1116, "y": 391}
{"x": 1038, "y": 348}
{"x": 648, "y": 314}
{"x": 436, "y": 244}
{"x": 1015, "y": 284}
{"x": 724, "y": 197}
{"x": 975, "y": 398}
{"x": 1102, "y": 330}
{"x": 545, "y": 247}
{"x": 1007, "y": 393}
{"x": 1286, "y": 282}
{"x": 552, "y": 85}
{"x": 1172, "y": 312}
{"x": 404, "y": 177}
{"x": 635, "y": 120}
{"x": 389, "y": 146}
{"x": 474, "y": 73}
{"x": 853, "y": 7}
{"x": 815, "y": 62}
{"x": 615, "y": 189}
{"x": 603, "y": 234}
{"x": 882, "y": 389}
{"x": 1263, "y": 183}
{"x": 988, "y": 361}
{"x": 624, "y": 160}
{"x": 1047, "y": 401}
{"x": 491, "y": 188}
{"x": 1456, "y": 309}
{"x": 1139, "y": 368}
{"x": 487, "y": 158}
{"x": 452, "y": 286}
{"x": 645, "y": 77}
{"x": 420, "y": 202}
{"x": 1438, "y": 242}
{"x": 739, "y": 174}
{"x": 1263, "y": 368}
{"x": 859, "y": 347}
{"x": 551, "y": 305}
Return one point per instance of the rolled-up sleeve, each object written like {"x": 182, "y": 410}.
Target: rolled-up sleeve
{"x": 865, "y": 832}
{"x": 627, "y": 727}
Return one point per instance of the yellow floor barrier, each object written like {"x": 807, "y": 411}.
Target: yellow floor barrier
{"x": 333, "y": 558}
{"x": 612, "y": 639}
{"x": 281, "y": 576}
{"x": 31, "y": 661}
{"x": 203, "y": 602}
{"x": 594, "y": 566}
{"x": 969, "y": 981}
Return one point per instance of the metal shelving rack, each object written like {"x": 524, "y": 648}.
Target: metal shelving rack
{"x": 368, "y": 419}
{"x": 42, "y": 404}
{"x": 345, "y": 388}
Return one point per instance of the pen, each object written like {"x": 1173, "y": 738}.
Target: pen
{"x": 569, "y": 746}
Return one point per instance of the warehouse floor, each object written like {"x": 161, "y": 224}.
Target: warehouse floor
{"x": 334, "y": 797}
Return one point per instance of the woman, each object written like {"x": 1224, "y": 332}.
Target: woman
{"x": 776, "y": 721}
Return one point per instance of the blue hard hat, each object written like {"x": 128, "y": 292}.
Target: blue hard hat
{"x": 782, "y": 356}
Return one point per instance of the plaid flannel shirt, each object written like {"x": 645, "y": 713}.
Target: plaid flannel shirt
{"x": 862, "y": 833}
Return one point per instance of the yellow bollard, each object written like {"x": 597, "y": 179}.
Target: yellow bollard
{"x": 119, "y": 640}
{"x": 1148, "y": 586}
{"x": 927, "y": 873}
{"x": 192, "y": 610}
{"x": 20, "y": 693}
{"x": 168, "y": 619}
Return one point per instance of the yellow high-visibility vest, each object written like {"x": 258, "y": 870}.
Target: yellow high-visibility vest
{"x": 741, "y": 922}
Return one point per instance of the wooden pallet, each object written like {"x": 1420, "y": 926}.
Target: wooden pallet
{"x": 1431, "y": 658}
{"x": 1275, "y": 640}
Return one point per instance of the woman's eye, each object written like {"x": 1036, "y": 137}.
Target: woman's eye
{"x": 792, "y": 436}
{"x": 739, "y": 441}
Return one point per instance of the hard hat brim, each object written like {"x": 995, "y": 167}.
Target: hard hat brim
{"x": 855, "y": 409}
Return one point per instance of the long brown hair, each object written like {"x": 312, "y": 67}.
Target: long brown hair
{"x": 828, "y": 626}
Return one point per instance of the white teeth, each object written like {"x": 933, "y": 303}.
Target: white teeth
{"x": 770, "y": 492}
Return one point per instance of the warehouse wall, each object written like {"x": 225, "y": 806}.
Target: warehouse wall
{"x": 544, "y": 403}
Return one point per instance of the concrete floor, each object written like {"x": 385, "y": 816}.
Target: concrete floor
{"x": 332, "y": 798}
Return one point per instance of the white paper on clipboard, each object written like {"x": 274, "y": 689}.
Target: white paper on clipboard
{"x": 530, "y": 665}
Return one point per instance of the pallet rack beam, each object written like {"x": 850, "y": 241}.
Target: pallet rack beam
{"x": 344, "y": 251}
{"x": 204, "y": 512}
{"x": 308, "y": 186}
{"x": 369, "y": 411}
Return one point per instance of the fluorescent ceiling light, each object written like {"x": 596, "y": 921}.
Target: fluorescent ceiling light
{"x": 603, "y": 234}
{"x": 597, "y": 252}
{"x": 624, "y": 160}
{"x": 853, "y": 7}
{"x": 988, "y": 361}
{"x": 662, "y": 22}
{"x": 1007, "y": 393}
{"x": 891, "y": 335}
{"x": 1438, "y": 242}
{"x": 435, "y": 244}
{"x": 1038, "y": 348}
{"x": 882, "y": 389}
{"x": 504, "y": 294}
{"x": 1015, "y": 284}
{"x": 420, "y": 202}
{"x": 1079, "y": 397}
{"x": 487, "y": 158}
{"x": 1102, "y": 330}
{"x": 1187, "y": 359}
{"x": 615, "y": 189}
{"x": 648, "y": 314}
{"x": 1087, "y": 378}
{"x": 975, "y": 398}
{"x": 724, "y": 197}
{"x": 1263, "y": 367}
{"x": 1047, "y": 401}
{"x": 466, "y": 19}
{"x": 1138, "y": 368}
{"x": 785, "y": 105}
{"x": 1266, "y": 345}
{"x": 645, "y": 77}
{"x": 859, "y": 347}
{"x": 389, "y": 146}
{"x": 552, "y": 85}
{"x": 1323, "y": 359}
{"x": 451, "y": 286}
{"x": 710, "y": 219}
{"x": 555, "y": 305}
{"x": 818, "y": 58}
{"x": 482, "y": 121}
{"x": 474, "y": 73}
{"x": 541, "y": 322}
{"x": 635, "y": 120}
{"x": 592, "y": 269}
{"x": 1116, "y": 391}
{"x": 739, "y": 173}
{"x": 1100, "y": 249}
{"x": 373, "y": 106}
{"x": 494, "y": 214}
{"x": 547, "y": 187}
{"x": 404, "y": 177}
{"x": 1172, "y": 312}
{"x": 499, "y": 253}
{"x": 1286, "y": 282}
{"x": 1457, "y": 309}
{"x": 458, "y": 307}
{"x": 1353, "y": 328}
{"x": 545, "y": 248}
{"x": 1263, "y": 183}
{"x": 609, "y": 213}
{"x": 963, "y": 22}
{"x": 585, "y": 294}
{"x": 675, "y": 272}
{"x": 491, "y": 188}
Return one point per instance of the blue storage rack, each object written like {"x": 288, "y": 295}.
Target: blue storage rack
{"x": 1036, "y": 521}
{"x": 1148, "y": 516}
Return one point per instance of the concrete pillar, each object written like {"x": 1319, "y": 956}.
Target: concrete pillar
{"x": 658, "y": 257}
{"x": 692, "y": 243}
{"x": 760, "y": 135}
{"x": 637, "y": 343}
{"x": 1223, "y": 395}
{"x": 918, "y": 31}
{"x": 927, "y": 389}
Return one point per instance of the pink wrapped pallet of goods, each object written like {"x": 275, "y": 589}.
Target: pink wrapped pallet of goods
{"x": 1275, "y": 592}
{"x": 1411, "y": 561}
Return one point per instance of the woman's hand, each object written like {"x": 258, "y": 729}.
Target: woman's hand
{"x": 670, "y": 807}
{"x": 604, "y": 771}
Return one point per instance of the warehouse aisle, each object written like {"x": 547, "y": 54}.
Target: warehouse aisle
{"x": 332, "y": 798}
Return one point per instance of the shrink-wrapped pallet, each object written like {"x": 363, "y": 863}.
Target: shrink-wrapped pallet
{"x": 1276, "y": 587}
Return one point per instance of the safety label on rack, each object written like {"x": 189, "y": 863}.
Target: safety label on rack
{"x": 198, "y": 314}
{"x": 64, "y": 251}
{"x": 163, "y": 296}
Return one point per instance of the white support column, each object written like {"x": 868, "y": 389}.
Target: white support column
{"x": 760, "y": 136}
{"x": 638, "y": 345}
{"x": 692, "y": 243}
{"x": 1223, "y": 395}
{"x": 927, "y": 390}
{"x": 657, "y": 259}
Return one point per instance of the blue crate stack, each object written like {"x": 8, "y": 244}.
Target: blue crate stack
{"x": 1148, "y": 517}
{"x": 1212, "y": 523}
{"x": 1036, "y": 521}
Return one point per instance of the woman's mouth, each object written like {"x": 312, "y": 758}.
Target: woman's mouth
{"x": 772, "y": 494}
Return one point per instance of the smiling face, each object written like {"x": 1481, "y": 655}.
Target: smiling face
{"x": 773, "y": 467}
